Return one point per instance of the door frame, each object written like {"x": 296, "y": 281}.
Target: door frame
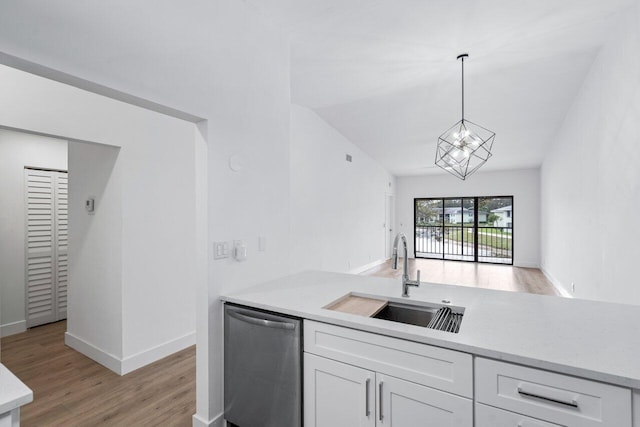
{"x": 475, "y": 228}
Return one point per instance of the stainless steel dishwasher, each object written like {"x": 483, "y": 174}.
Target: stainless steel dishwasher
{"x": 262, "y": 368}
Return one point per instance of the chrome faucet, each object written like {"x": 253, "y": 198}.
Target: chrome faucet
{"x": 406, "y": 282}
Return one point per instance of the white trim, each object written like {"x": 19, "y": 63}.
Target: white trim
{"x": 556, "y": 283}
{"x": 131, "y": 363}
{"x": 366, "y": 267}
{"x": 13, "y": 328}
{"x": 216, "y": 422}
{"x": 138, "y": 360}
{"x": 526, "y": 264}
{"x": 92, "y": 352}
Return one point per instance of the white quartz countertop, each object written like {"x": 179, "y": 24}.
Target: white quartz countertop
{"x": 13, "y": 392}
{"x": 588, "y": 339}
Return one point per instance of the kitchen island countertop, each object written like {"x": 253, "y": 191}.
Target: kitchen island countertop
{"x": 13, "y": 392}
{"x": 588, "y": 339}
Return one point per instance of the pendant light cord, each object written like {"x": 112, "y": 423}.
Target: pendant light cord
{"x": 462, "y": 88}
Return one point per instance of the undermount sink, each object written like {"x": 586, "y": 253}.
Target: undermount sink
{"x": 435, "y": 316}
{"x": 413, "y": 315}
{"x": 442, "y": 318}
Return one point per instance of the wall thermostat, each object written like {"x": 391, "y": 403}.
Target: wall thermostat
{"x": 90, "y": 205}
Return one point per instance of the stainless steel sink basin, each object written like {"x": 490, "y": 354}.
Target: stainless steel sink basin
{"x": 442, "y": 317}
{"x": 413, "y": 315}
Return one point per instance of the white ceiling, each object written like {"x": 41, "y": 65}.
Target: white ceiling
{"x": 382, "y": 72}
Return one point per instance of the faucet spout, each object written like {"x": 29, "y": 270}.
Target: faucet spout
{"x": 406, "y": 282}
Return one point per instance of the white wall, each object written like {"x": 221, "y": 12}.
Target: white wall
{"x": 523, "y": 185}
{"x": 156, "y": 171}
{"x": 337, "y": 207}
{"x": 17, "y": 150}
{"x": 591, "y": 179}
{"x": 247, "y": 102}
{"x": 243, "y": 95}
{"x": 95, "y": 292}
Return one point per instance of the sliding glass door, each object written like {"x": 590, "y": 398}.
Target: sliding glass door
{"x": 495, "y": 230}
{"x": 465, "y": 229}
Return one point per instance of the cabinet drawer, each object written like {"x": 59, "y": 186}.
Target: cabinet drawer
{"x": 556, "y": 398}
{"x": 487, "y": 416}
{"x": 442, "y": 369}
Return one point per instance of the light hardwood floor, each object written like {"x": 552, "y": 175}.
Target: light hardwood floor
{"x": 490, "y": 276}
{"x": 72, "y": 390}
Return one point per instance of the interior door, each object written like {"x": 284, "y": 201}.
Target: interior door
{"x": 61, "y": 222}
{"x": 46, "y": 246}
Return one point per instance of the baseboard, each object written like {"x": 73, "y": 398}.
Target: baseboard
{"x": 92, "y": 352}
{"x": 136, "y": 361}
{"x": 13, "y": 328}
{"x": 216, "y": 422}
{"x": 131, "y": 363}
{"x": 366, "y": 267}
{"x": 526, "y": 264}
{"x": 556, "y": 283}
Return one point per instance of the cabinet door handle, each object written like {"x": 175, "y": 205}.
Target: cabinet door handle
{"x": 572, "y": 403}
{"x": 367, "y": 411}
{"x": 380, "y": 400}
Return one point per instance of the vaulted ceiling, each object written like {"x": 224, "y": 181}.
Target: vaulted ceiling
{"x": 382, "y": 72}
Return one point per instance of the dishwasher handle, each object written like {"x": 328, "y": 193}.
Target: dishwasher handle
{"x": 261, "y": 322}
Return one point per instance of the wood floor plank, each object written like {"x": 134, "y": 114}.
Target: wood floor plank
{"x": 73, "y": 390}
{"x": 489, "y": 276}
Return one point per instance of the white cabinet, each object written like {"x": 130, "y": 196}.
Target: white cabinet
{"x": 439, "y": 368}
{"x": 340, "y": 395}
{"x": 361, "y": 379}
{"x": 547, "y": 396}
{"x": 488, "y": 416}
{"x": 406, "y": 404}
{"x": 337, "y": 394}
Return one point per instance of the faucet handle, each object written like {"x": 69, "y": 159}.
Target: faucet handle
{"x": 418, "y": 279}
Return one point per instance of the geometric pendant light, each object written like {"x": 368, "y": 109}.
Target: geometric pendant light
{"x": 465, "y": 146}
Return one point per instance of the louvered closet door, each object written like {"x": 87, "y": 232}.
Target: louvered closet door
{"x": 62, "y": 237}
{"x": 46, "y": 246}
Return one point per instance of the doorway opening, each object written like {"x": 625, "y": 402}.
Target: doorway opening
{"x": 477, "y": 229}
{"x": 33, "y": 242}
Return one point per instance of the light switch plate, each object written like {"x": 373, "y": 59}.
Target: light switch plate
{"x": 221, "y": 250}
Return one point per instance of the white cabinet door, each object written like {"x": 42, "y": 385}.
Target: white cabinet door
{"x": 337, "y": 394}
{"x": 405, "y": 404}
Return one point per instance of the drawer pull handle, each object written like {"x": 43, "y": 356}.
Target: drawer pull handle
{"x": 572, "y": 403}
{"x": 367, "y": 411}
